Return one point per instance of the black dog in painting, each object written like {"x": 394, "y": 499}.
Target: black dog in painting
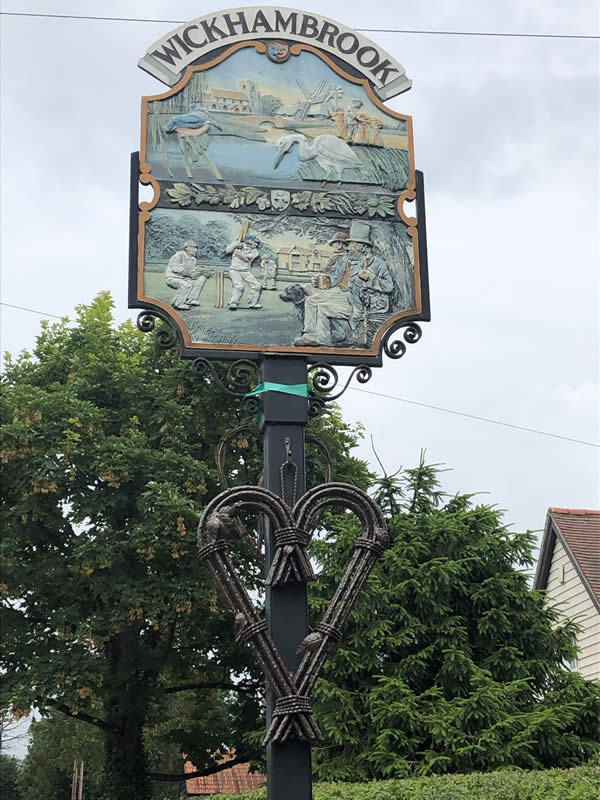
{"x": 296, "y": 293}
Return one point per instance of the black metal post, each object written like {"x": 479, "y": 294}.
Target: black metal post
{"x": 285, "y": 417}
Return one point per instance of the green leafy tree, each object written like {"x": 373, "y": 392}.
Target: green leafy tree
{"x": 56, "y": 743}
{"x": 450, "y": 663}
{"x": 108, "y": 616}
{"x": 9, "y": 775}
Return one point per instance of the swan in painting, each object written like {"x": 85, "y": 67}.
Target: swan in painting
{"x": 333, "y": 155}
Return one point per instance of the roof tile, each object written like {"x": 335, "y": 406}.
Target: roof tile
{"x": 228, "y": 781}
{"x": 580, "y": 529}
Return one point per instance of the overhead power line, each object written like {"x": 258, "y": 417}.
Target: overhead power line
{"x": 474, "y": 416}
{"x": 363, "y": 30}
{"x": 31, "y": 310}
{"x": 399, "y": 399}
{"x": 500, "y": 34}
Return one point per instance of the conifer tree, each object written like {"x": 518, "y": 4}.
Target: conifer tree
{"x": 451, "y": 663}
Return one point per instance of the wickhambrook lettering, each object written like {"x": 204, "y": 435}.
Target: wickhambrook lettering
{"x": 168, "y": 57}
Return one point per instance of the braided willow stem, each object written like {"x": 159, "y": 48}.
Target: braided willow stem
{"x": 292, "y": 716}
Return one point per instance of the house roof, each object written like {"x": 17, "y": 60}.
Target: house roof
{"x": 228, "y": 781}
{"x": 578, "y": 530}
{"x": 229, "y": 94}
{"x": 308, "y": 251}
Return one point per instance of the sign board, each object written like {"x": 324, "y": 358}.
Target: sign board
{"x": 279, "y": 220}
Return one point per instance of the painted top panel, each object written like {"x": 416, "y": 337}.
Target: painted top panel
{"x": 295, "y": 123}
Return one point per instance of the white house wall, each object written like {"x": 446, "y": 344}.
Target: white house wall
{"x": 565, "y": 590}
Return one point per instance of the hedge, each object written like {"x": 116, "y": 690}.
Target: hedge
{"x": 580, "y": 783}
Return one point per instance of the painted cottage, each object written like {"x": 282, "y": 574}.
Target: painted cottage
{"x": 304, "y": 259}
{"x": 569, "y": 573}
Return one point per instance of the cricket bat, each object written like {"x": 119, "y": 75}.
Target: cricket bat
{"x": 244, "y": 230}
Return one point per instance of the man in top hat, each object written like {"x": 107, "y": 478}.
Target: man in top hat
{"x": 330, "y": 300}
{"x": 361, "y": 283}
{"x": 186, "y": 276}
{"x": 371, "y": 284}
{"x": 243, "y": 253}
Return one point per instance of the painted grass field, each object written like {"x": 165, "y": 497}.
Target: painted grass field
{"x": 275, "y": 324}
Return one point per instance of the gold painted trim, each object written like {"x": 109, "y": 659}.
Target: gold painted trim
{"x": 409, "y": 194}
{"x": 145, "y": 207}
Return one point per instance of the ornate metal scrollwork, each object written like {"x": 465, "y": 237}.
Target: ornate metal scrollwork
{"x": 239, "y": 376}
{"x": 292, "y": 715}
{"x": 165, "y": 338}
{"x": 396, "y": 348}
{"x": 237, "y": 381}
{"x": 325, "y": 379}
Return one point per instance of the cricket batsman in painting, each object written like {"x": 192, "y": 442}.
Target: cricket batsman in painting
{"x": 243, "y": 251}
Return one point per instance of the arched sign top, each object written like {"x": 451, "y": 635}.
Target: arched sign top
{"x": 169, "y": 56}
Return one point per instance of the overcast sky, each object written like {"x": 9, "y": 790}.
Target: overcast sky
{"x": 506, "y": 132}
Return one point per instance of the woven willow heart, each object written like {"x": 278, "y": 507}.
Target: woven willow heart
{"x": 292, "y": 715}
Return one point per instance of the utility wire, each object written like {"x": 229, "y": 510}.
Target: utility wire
{"x": 364, "y": 30}
{"x": 401, "y": 399}
{"x": 32, "y": 310}
{"x": 474, "y": 416}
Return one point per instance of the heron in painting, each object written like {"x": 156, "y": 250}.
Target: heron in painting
{"x": 332, "y": 154}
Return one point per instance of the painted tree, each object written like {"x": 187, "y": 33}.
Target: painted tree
{"x": 390, "y": 242}
{"x": 451, "y": 663}
{"x": 108, "y": 616}
{"x": 270, "y": 104}
{"x": 166, "y": 234}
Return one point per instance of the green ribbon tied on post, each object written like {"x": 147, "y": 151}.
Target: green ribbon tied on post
{"x": 299, "y": 389}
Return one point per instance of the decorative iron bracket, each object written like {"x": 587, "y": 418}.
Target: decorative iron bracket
{"x": 324, "y": 378}
{"x": 237, "y": 381}
{"x": 242, "y": 374}
{"x": 165, "y": 338}
{"x": 239, "y": 376}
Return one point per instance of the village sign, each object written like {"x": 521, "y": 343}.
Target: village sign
{"x": 280, "y": 220}
{"x": 286, "y": 225}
